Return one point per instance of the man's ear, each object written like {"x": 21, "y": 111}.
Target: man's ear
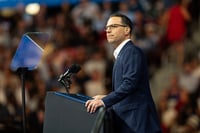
{"x": 127, "y": 30}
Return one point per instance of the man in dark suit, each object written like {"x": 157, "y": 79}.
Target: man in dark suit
{"x": 131, "y": 99}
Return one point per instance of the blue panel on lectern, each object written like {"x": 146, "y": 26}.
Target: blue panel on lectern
{"x": 28, "y": 54}
{"x": 75, "y": 97}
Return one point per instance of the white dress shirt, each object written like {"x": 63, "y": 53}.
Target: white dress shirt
{"x": 119, "y": 47}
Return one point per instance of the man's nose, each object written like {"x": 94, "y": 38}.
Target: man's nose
{"x": 108, "y": 30}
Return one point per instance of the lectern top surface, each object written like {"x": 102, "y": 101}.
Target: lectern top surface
{"x": 75, "y": 97}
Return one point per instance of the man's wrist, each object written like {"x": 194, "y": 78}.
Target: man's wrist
{"x": 103, "y": 103}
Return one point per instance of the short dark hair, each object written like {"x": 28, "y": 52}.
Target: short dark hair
{"x": 125, "y": 20}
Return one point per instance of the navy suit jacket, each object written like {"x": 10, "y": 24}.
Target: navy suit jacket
{"x": 131, "y": 97}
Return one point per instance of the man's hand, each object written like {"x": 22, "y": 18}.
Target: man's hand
{"x": 92, "y": 105}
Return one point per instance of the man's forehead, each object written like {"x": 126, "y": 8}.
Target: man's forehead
{"x": 114, "y": 20}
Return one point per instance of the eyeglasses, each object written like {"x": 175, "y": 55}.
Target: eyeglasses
{"x": 113, "y": 26}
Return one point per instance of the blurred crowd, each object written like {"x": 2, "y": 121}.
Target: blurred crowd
{"x": 166, "y": 30}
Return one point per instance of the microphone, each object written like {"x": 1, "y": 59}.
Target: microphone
{"x": 74, "y": 68}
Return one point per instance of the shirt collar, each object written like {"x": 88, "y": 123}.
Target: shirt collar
{"x": 118, "y": 49}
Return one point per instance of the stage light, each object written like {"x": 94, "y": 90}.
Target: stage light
{"x": 32, "y": 9}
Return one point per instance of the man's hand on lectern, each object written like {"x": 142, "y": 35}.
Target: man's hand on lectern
{"x": 93, "y": 104}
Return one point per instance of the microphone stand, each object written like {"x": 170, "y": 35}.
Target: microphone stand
{"x": 66, "y": 81}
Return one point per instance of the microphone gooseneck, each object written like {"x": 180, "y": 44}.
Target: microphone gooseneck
{"x": 74, "y": 68}
{"x": 65, "y": 78}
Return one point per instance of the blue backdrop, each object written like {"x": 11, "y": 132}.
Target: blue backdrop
{"x": 14, "y": 3}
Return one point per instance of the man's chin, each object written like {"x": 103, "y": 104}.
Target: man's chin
{"x": 110, "y": 41}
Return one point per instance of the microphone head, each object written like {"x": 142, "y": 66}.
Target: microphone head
{"x": 74, "y": 68}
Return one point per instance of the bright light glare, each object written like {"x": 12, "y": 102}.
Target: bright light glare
{"x": 32, "y": 9}
{"x": 7, "y": 12}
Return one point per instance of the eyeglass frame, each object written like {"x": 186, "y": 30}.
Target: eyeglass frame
{"x": 113, "y": 26}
